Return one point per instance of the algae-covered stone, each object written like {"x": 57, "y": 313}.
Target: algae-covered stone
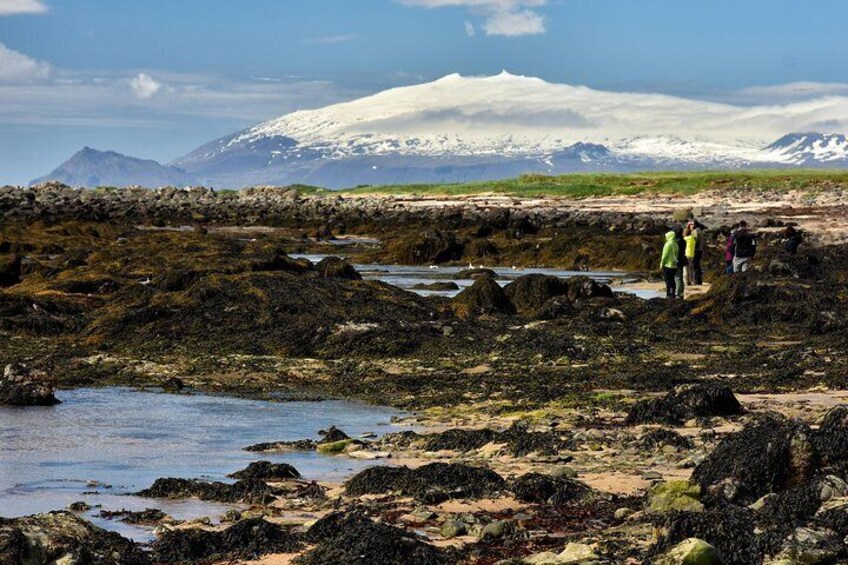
{"x": 335, "y": 446}
{"x": 453, "y": 528}
{"x": 577, "y": 553}
{"x": 692, "y": 551}
{"x": 497, "y": 530}
{"x": 674, "y": 496}
{"x": 544, "y": 558}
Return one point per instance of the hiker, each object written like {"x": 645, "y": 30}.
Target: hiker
{"x": 794, "y": 239}
{"x": 728, "y": 252}
{"x": 668, "y": 264}
{"x": 691, "y": 243}
{"x": 744, "y": 248}
{"x": 681, "y": 261}
{"x": 697, "y": 270}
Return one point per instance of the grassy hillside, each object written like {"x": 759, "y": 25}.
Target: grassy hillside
{"x": 602, "y": 184}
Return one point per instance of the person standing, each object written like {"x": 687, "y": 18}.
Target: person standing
{"x": 681, "y": 262}
{"x": 691, "y": 243}
{"x": 794, "y": 239}
{"x": 668, "y": 264}
{"x": 728, "y": 252}
{"x": 744, "y": 248}
{"x": 697, "y": 270}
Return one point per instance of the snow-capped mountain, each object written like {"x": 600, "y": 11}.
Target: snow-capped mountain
{"x": 809, "y": 149}
{"x": 458, "y": 129}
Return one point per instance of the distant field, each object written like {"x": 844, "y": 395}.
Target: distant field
{"x": 603, "y": 184}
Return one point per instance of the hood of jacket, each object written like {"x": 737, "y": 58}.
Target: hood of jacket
{"x": 670, "y": 236}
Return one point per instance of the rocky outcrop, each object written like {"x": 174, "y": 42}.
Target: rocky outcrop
{"x": 25, "y": 386}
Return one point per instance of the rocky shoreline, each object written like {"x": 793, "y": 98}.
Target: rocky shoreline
{"x": 563, "y": 422}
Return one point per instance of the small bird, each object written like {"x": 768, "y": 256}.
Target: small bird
{"x": 146, "y": 281}
{"x": 434, "y": 267}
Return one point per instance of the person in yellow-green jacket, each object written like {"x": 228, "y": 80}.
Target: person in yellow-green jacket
{"x": 668, "y": 264}
{"x": 691, "y": 240}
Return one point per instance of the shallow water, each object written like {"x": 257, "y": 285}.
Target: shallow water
{"x": 127, "y": 439}
{"x": 406, "y": 276}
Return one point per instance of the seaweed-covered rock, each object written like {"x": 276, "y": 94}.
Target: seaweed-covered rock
{"x": 248, "y": 539}
{"x": 770, "y": 454}
{"x": 696, "y": 401}
{"x": 353, "y": 539}
{"x": 730, "y": 529}
{"x": 336, "y": 268}
{"x": 267, "y": 471}
{"x": 63, "y": 537}
{"x": 663, "y": 437}
{"x": 831, "y": 438}
{"x": 432, "y": 483}
{"x": 332, "y": 435}
{"x": 530, "y": 292}
{"x": 557, "y": 307}
{"x": 460, "y": 439}
{"x": 518, "y": 439}
{"x": 428, "y": 248}
{"x": 25, "y": 386}
{"x": 296, "y": 445}
{"x": 147, "y": 517}
{"x": 251, "y": 491}
{"x": 436, "y": 286}
{"x": 10, "y": 270}
{"x": 536, "y": 488}
{"x": 474, "y": 274}
{"x": 485, "y": 296}
{"x": 583, "y": 288}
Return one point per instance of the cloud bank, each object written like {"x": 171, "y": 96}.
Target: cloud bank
{"x": 16, "y": 67}
{"x": 12, "y": 7}
{"x": 509, "y": 18}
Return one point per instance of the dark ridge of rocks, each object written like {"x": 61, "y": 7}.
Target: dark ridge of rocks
{"x": 248, "y": 539}
{"x": 730, "y": 529}
{"x": 173, "y": 385}
{"x": 297, "y": 445}
{"x": 24, "y": 386}
{"x": 431, "y": 247}
{"x": 147, "y": 517}
{"x": 251, "y": 491}
{"x": 64, "y": 537}
{"x": 660, "y": 437}
{"x": 436, "y": 286}
{"x": 267, "y": 471}
{"x": 770, "y": 454}
{"x": 353, "y": 539}
{"x": 336, "y": 268}
{"x": 696, "y": 401}
{"x": 536, "y": 488}
{"x": 518, "y": 439}
{"x": 485, "y": 296}
{"x": 474, "y": 274}
{"x": 432, "y": 483}
{"x": 332, "y": 435}
{"x": 531, "y": 292}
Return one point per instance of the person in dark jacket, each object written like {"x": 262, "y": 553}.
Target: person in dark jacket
{"x": 744, "y": 248}
{"x": 681, "y": 261}
{"x": 794, "y": 239}
{"x": 697, "y": 270}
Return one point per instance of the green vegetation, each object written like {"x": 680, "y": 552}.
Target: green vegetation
{"x": 607, "y": 184}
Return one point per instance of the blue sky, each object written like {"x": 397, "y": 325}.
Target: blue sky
{"x": 157, "y": 78}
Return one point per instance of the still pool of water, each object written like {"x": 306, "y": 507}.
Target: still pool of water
{"x": 127, "y": 439}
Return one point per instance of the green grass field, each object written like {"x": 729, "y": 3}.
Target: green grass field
{"x": 603, "y": 184}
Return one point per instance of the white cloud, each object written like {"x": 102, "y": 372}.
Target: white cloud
{"x": 470, "y": 30}
{"x": 144, "y": 86}
{"x": 512, "y": 24}
{"x": 16, "y": 67}
{"x": 10, "y": 7}
{"x": 510, "y": 18}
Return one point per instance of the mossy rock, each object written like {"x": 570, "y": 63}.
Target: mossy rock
{"x": 674, "y": 496}
{"x": 334, "y": 446}
{"x": 692, "y": 551}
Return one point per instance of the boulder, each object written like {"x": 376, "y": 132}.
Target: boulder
{"x": 453, "y": 528}
{"x": 474, "y": 274}
{"x": 673, "y": 496}
{"x": 429, "y": 248}
{"x": 530, "y": 292}
{"x": 583, "y": 288}
{"x": 686, "y": 403}
{"x": 24, "y": 386}
{"x": 267, "y": 471}
{"x": 692, "y": 551}
{"x": 485, "y": 296}
{"x": 770, "y": 454}
{"x": 335, "y": 268}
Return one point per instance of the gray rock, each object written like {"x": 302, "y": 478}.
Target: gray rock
{"x": 452, "y": 529}
{"x": 24, "y": 386}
